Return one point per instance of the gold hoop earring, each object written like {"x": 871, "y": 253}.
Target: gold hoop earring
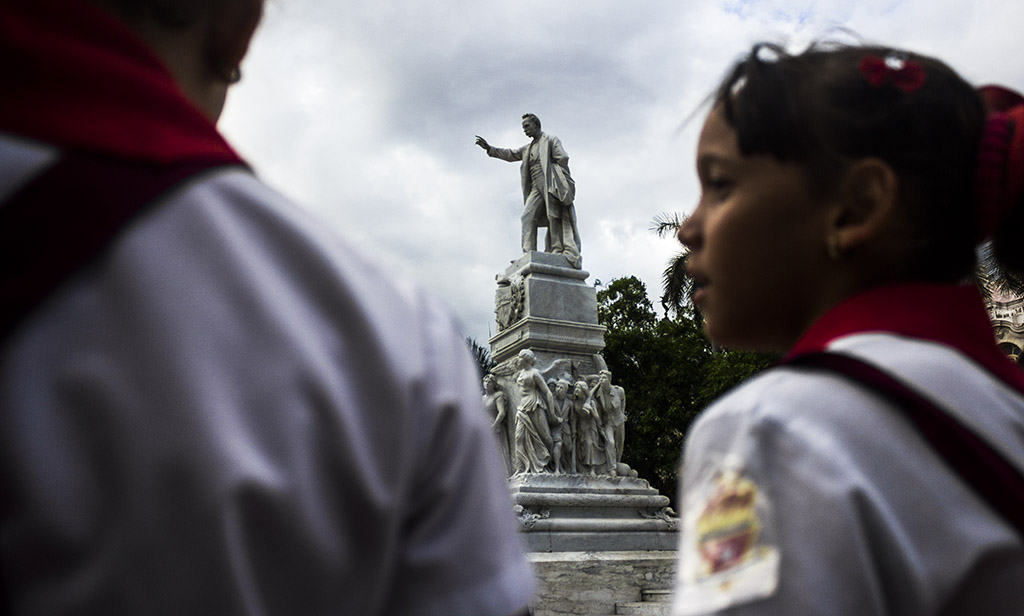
{"x": 229, "y": 75}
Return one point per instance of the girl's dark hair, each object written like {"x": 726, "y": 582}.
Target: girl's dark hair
{"x": 819, "y": 109}
{"x": 168, "y": 13}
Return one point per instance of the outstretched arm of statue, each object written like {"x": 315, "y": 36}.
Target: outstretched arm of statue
{"x": 500, "y": 153}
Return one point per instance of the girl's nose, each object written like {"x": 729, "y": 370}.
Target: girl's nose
{"x": 688, "y": 233}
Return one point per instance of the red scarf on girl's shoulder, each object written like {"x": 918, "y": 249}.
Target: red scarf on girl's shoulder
{"x": 75, "y": 77}
{"x": 950, "y": 314}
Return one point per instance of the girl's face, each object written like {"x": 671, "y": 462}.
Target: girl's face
{"x": 757, "y": 244}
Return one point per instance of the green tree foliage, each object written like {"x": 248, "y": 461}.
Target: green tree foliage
{"x": 670, "y": 373}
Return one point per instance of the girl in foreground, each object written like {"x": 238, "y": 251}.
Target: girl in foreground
{"x": 844, "y": 192}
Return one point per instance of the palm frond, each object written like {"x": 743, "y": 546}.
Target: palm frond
{"x": 994, "y": 279}
{"x": 676, "y": 284}
{"x": 667, "y": 223}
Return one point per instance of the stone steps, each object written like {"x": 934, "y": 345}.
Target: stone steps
{"x": 644, "y": 608}
{"x": 655, "y": 603}
{"x": 603, "y": 583}
{"x": 657, "y": 595}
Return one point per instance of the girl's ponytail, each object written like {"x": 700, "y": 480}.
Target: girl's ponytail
{"x": 999, "y": 189}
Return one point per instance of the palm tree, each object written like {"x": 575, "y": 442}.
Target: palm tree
{"x": 482, "y": 355}
{"x": 676, "y": 285}
{"x": 994, "y": 279}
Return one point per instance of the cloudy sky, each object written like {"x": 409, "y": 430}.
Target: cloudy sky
{"x": 365, "y": 113}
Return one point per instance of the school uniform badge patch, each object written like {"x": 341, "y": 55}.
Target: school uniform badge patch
{"x": 725, "y": 559}
{"x": 727, "y": 528}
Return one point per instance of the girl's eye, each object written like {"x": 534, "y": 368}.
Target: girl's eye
{"x": 717, "y": 184}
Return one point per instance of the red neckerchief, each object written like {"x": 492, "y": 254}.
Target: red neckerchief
{"x": 77, "y": 78}
{"x": 953, "y": 315}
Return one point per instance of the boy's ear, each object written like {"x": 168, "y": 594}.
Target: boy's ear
{"x": 865, "y": 204}
{"x": 231, "y": 29}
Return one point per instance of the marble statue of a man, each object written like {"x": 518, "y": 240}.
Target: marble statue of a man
{"x": 610, "y": 401}
{"x": 548, "y": 190}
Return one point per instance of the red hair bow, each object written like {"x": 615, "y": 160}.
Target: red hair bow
{"x": 906, "y": 75}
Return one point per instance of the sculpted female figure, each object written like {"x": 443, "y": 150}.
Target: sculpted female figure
{"x": 496, "y": 402}
{"x": 589, "y": 452}
{"x": 533, "y": 437}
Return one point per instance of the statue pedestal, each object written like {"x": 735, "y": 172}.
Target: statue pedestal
{"x": 603, "y": 582}
{"x": 544, "y": 304}
{"x": 582, "y": 513}
{"x": 597, "y": 542}
{"x": 599, "y": 545}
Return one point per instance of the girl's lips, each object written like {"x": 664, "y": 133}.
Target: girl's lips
{"x": 700, "y": 286}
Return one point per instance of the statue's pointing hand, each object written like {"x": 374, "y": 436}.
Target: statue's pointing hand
{"x": 480, "y": 141}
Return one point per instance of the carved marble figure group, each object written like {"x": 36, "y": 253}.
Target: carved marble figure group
{"x": 561, "y": 424}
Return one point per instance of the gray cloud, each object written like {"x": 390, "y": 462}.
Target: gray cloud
{"x": 364, "y": 113}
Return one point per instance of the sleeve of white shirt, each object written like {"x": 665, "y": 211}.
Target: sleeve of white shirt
{"x": 850, "y": 503}
{"x": 803, "y": 520}
{"x": 457, "y": 546}
{"x": 456, "y": 550}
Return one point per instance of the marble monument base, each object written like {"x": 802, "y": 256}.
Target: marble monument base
{"x": 579, "y": 513}
{"x": 545, "y": 305}
{"x": 602, "y": 582}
